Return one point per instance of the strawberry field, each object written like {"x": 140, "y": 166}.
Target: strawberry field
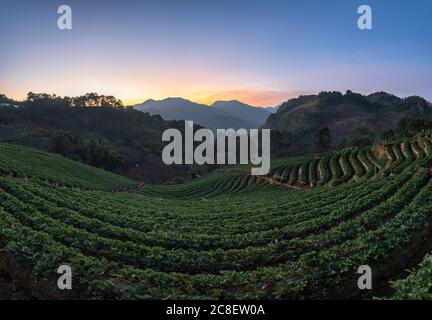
{"x": 299, "y": 233}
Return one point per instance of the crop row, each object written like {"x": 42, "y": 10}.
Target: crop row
{"x": 353, "y": 163}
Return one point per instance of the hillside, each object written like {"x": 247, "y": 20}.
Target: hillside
{"x": 254, "y": 115}
{"x": 226, "y": 235}
{"x": 124, "y": 141}
{"x": 349, "y": 117}
{"x": 26, "y": 163}
{"x": 220, "y": 115}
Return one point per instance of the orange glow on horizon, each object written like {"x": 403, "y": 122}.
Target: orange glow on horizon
{"x": 256, "y": 98}
{"x": 253, "y": 97}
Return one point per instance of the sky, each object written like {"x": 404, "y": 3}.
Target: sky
{"x": 260, "y": 52}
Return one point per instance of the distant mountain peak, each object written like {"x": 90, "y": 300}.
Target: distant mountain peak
{"x": 175, "y": 99}
{"x": 221, "y": 114}
{"x": 227, "y": 101}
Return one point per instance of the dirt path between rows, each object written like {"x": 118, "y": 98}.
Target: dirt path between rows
{"x": 132, "y": 188}
{"x": 318, "y": 170}
{"x": 341, "y": 167}
{"x": 365, "y": 167}
{"x": 414, "y": 152}
{"x": 389, "y": 156}
{"x": 283, "y": 184}
{"x": 400, "y": 149}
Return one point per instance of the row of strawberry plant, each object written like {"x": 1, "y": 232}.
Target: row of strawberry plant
{"x": 194, "y": 261}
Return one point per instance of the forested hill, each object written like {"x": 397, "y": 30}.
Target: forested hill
{"x": 118, "y": 139}
{"x": 351, "y": 119}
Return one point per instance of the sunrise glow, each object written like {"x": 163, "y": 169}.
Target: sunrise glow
{"x": 261, "y": 58}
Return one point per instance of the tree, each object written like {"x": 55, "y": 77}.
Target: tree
{"x": 46, "y": 99}
{"x": 92, "y": 150}
{"x": 95, "y": 100}
{"x": 323, "y": 139}
{"x": 87, "y": 100}
{"x": 281, "y": 142}
{"x": 388, "y": 135}
{"x": 5, "y": 99}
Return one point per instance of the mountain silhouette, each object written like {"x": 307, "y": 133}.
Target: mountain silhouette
{"x": 349, "y": 117}
{"x": 220, "y": 115}
{"x": 254, "y": 115}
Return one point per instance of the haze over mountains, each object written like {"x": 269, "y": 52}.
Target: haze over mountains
{"x": 220, "y": 115}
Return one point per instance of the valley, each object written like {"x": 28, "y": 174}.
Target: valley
{"x": 226, "y": 235}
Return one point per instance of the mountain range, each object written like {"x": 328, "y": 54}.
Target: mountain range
{"x": 220, "y": 115}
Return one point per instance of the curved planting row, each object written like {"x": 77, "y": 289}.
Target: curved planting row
{"x": 354, "y": 163}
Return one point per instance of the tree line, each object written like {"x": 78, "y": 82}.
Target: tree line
{"x": 87, "y": 100}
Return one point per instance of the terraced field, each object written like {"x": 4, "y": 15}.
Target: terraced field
{"x": 352, "y": 164}
{"x": 300, "y": 233}
{"x": 16, "y": 161}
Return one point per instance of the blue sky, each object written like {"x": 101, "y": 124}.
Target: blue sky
{"x": 261, "y": 52}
